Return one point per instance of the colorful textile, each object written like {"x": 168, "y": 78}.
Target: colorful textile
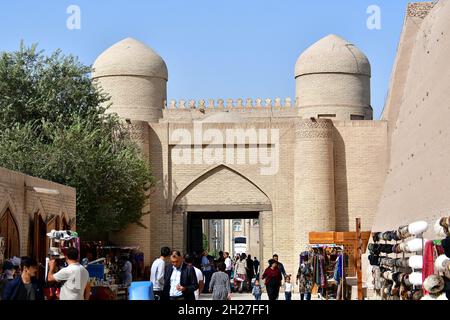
{"x": 338, "y": 269}
{"x": 428, "y": 262}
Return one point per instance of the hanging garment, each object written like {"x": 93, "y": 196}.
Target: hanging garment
{"x": 338, "y": 270}
{"x": 428, "y": 262}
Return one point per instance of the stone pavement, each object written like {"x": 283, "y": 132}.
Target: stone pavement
{"x": 249, "y": 296}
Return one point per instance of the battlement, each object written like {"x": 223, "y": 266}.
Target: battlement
{"x": 230, "y": 104}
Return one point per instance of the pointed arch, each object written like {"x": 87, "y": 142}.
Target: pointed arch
{"x": 209, "y": 172}
{"x": 9, "y": 229}
{"x": 8, "y": 203}
{"x": 39, "y": 209}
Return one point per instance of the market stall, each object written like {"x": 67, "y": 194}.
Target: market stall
{"x": 334, "y": 246}
{"x": 105, "y": 263}
{"x": 406, "y": 266}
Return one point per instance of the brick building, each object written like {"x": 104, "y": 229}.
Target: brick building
{"x": 29, "y": 208}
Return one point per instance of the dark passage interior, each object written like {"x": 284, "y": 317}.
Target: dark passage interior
{"x": 194, "y": 225}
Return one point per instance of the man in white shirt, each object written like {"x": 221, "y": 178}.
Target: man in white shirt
{"x": 157, "y": 273}
{"x": 228, "y": 264}
{"x": 201, "y": 284}
{"x": 76, "y": 277}
{"x": 180, "y": 281}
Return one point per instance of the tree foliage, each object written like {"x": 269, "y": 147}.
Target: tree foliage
{"x": 53, "y": 125}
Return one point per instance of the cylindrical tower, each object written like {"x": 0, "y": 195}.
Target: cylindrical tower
{"x": 333, "y": 81}
{"x": 135, "y": 77}
{"x": 314, "y": 201}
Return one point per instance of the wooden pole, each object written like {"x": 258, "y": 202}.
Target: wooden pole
{"x": 358, "y": 253}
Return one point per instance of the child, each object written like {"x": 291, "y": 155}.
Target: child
{"x": 288, "y": 288}
{"x": 257, "y": 290}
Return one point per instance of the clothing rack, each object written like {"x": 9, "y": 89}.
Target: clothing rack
{"x": 333, "y": 245}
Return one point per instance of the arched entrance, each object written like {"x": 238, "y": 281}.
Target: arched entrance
{"x": 10, "y": 231}
{"x": 221, "y": 193}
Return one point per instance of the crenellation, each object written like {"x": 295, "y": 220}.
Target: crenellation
{"x": 258, "y": 103}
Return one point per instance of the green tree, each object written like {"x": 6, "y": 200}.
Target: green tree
{"x": 53, "y": 125}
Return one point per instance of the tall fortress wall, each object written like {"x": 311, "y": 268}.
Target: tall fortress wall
{"x": 418, "y": 114}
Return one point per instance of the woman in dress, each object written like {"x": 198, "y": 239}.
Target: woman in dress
{"x": 305, "y": 280}
{"x": 220, "y": 284}
{"x": 272, "y": 277}
{"x": 241, "y": 272}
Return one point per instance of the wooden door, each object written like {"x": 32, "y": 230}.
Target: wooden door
{"x": 40, "y": 242}
{"x": 10, "y": 231}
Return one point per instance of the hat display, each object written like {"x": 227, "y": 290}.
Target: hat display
{"x": 438, "y": 229}
{"x": 415, "y": 262}
{"x": 415, "y": 278}
{"x": 439, "y": 263}
{"x": 418, "y": 227}
{"x": 434, "y": 284}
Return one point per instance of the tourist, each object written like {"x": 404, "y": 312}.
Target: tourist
{"x": 288, "y": 288}
{"x": 280, "y": 265}
{"x": 221, "y": 257}
{"x": 272, "y": 277}
{"x": 228, "y": 264}
{"x": 207, "y": 269}
{"x": 76, "y": 277}
{"x": 241, "y": 272}
{"x": 126, "y": 271}
{"x": 26, "y": 286}
{"x": 220, "y": 284}
{"x": 257, "y": 290}
{"x": 305, "y": 280}
{"x": 180, "y": 281}
{"x": 89, "y": 258}
{"x": 6, "y": 275}
{"x": 201, "y": 283}
{"x": 256, "y": 267}
{"x": 250, "y": 273}
{"x": 157, "y": 273}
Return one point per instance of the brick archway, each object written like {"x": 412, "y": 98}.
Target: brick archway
{"x": 222, "y": 191}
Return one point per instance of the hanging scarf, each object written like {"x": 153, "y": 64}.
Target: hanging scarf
{"x": 428, "y": 261}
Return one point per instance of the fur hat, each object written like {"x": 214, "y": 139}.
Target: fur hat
{"x": 415, "y": 262}
{"x": 438, "y": 229}
{"x": 417, "y": 295}
{"x": 439, "y": 263}
{"x": 434, "y": 284}
{"x": 418, "y": 227}
{"x": 415, "y": 278}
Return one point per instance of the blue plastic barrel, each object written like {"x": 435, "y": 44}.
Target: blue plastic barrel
{"x": 141, "y": 290}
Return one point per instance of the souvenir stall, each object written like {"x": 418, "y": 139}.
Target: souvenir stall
{"x": 327, "y": 265}
{"x": 104, "y": 262}
{"x": 346, "y": 243}
{"x": 406, "y": 266}
{"x": 58, "y": 243}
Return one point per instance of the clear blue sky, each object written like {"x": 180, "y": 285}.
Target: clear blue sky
{"x": 213, "y": 49}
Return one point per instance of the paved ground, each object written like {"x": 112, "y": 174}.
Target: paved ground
{"x": 248, "y": 296}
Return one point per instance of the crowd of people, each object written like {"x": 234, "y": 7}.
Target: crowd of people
{"x": 187, "y": 277}
{"x": 22, "y": 283}
{"x": 174, "y": 277}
